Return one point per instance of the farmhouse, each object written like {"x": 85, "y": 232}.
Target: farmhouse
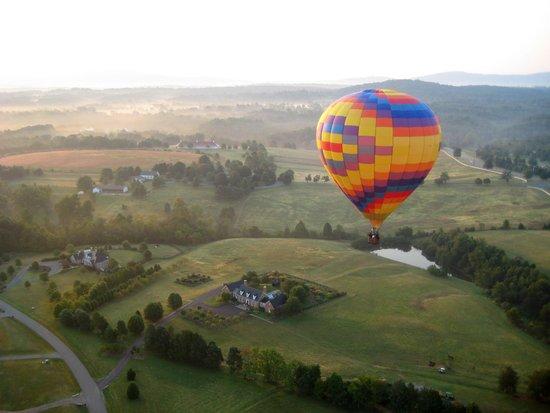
{"x": 90, "y": 258}
{"x": 110, "y": 189}
{"x": 253, "y": 297}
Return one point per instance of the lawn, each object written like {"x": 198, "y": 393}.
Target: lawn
{"x": 534, "y": 246}
{"x": 94, "y": 160}
{"x": 169, "y": 387}
{"x": 18, "y": 339}
{"x": 29, "y": 383}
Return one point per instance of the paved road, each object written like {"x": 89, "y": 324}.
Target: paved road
{"x": 29, "y": 356}
{"x": 91, "y": 394}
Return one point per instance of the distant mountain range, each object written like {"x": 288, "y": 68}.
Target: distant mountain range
{"x": 468, "y": 79}
{"x": 109, "y": 81}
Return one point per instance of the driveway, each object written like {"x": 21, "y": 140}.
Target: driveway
{"x": 90, "y": 392}
{"x": 54, "y": 266}
{"x": 225, "y": 309}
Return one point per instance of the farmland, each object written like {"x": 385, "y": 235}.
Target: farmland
{"x": 459, "y": 203}
{"x": 94, "y": 160}
{"x": 394, "y": 320}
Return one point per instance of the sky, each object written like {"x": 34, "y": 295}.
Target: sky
{"x": 131, "y": 43}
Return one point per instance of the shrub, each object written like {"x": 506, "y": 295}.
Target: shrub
{"x": 508, "y": 380}
{"x": 175, "y": 301}
{"x": 136, "y": 324}
{"x": 538, "y": 385}
{"x": 130, "y": 375}
{"x": 153, "y": 312}
{"x": 133, "y": 391}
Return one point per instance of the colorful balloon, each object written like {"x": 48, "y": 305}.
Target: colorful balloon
{"x": 378, "y": 145}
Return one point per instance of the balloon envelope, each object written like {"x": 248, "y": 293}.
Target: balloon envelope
{"x": 378, "y": 145}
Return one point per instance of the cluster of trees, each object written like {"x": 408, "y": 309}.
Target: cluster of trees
{"x": 514, "y": 283}
{"x": 89, "y": 297}
{"x": 30, "y": 203}
{"x": 316, "y": 178}
{"x": 232, "y": 180}
{"x": 183, "y": 225}
{"x": 9, "y": 173}
{"x": 184, "y": 347}
{"x": 522, "y": 158}
{"x": 97, "y": 324}
{"x": 328, "y": 232}
{"x": 484, "y": 181}
{"x": 538, "y": 383}
{"x": 359, "y": 394}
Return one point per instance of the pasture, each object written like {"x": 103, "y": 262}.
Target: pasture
{"x": 531, "y": 245}
{"x": 29, "y": 383}
{"x": 394, "y": 320}
{"x": 91, "y": 160}
{"x": 459, "y": 203}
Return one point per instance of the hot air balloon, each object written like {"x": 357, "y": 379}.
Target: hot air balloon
{"x": 378, "y": 145}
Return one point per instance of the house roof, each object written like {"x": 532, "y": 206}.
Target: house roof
{"x": 249, "y": 292}
{"x": 233, "y": 285}
{"x": 100, "y": 257}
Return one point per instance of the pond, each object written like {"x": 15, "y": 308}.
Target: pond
{"x": 413, "y": 257}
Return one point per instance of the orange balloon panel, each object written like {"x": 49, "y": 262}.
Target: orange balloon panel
{"x": 378, "y": 146}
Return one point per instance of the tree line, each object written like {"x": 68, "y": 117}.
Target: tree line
{"x": 269, "y": 366}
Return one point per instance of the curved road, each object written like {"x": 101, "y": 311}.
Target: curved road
{"x": 90, "y": 391}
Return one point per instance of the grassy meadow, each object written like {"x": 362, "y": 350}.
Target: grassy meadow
{"x": 531, "y": 245}
{"x": 393, "y": 321}
{"x": 29, "y": 383}
{"x": 167, "y": 387}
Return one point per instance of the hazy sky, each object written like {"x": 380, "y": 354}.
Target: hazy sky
{"x": 117, "y": 43}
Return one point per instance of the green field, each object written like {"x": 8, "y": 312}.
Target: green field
{"x": 29, "y": 383}
{"x": 458, "y": 203}
{"x": 394, "y": 320}
{"x": 534, "y": 246}
{"x": 18, "y": 339}
{"x": 169, "y": 387}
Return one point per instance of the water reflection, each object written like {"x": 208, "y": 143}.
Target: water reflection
{"x": 412, "y": 257}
